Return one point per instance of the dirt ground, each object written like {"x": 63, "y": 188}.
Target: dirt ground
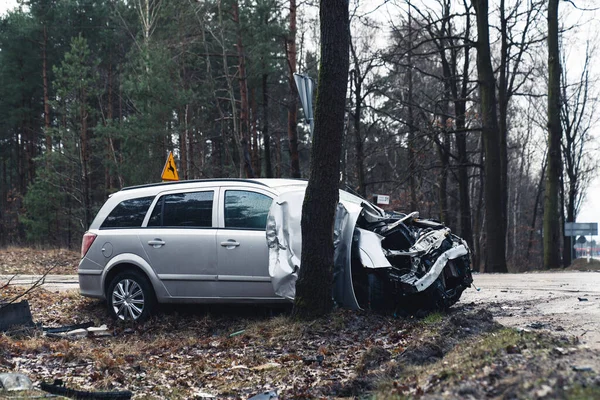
{"x": 545, "y": 347}
{"x": 236, "y": 352}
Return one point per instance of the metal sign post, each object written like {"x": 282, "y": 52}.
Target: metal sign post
{"x": 580, "y": 229}
{"x": 305, "y": 87}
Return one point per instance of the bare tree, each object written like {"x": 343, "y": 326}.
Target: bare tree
{"x": 495, "y": 260}
{"x": 554, "y": 168}
{"x": 577, "y": 115}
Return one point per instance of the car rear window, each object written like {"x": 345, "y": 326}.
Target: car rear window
{"x": 246, "y": 210}
{"x": 192, "y": 209}
{"x": 128, "y": 213}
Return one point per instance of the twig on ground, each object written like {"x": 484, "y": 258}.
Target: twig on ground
{"x": 38, "y": 283}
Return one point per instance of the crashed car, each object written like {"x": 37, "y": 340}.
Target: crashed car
{"x": 383, "y": 261}
{"x": 203, "y": 241}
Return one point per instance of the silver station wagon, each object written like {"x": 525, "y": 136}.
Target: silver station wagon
{"x": 239, "y": 240}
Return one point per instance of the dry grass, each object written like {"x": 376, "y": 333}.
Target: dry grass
{"x": 236, "y": 352}
{"x": 582, "y": 264}
{"x": 30, "y": 261}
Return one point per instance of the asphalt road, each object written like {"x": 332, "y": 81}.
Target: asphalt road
{"x": 562, "y": 302}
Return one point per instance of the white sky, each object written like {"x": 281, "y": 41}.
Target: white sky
{"x": 6, "y": 5}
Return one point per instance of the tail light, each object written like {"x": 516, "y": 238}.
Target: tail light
{"x": 86, "y": 242}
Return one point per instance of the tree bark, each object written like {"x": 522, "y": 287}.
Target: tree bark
{"x": 244, "y": 108}
{"x": 47, "y": 134}
{"x": 314, "y": 285}
{"x": 495, "y": 260}
{"x": 254, "y": 132}
{"x": 266, "y": 133}
{"x": 554, "y": 167}
{"x": 357, "y": 83}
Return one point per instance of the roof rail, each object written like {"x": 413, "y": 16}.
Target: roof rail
{"x": 194, "y": 181}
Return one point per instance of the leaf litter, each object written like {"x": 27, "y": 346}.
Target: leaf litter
{"x": 238, "y": 351}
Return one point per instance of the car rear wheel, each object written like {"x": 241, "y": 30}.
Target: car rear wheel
{"x": 130, "y": 297}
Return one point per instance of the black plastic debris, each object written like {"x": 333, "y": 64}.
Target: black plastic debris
{"x": 272, "y": 395}
{"x": 58, "y": 388}
{"x": 536, "y": 325}
{"x": 68, "y": 328}
{"x": 314, "y": 360}
{"x": 582, "y": 299}
{"x": 15, "y": 314}
{"x": 582, "y": 369}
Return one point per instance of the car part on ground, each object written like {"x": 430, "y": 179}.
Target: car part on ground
{"x": 388, "y": 262}
{"x": 58, "y": 388}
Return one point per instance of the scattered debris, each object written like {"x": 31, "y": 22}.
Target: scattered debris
{"x": 536, "y": 325}
{"x": 204, "y": 395}
{"x": 67, "y": 328}
{"x": 313, "y": 360}
{"x": 515, "y": 308}
{"x": 15, "y": 314}
{"x": 15, "y": 382}
{"x": 582, "y": 369}
{"x": 267, "y": 366}
{"x": 81, "y": 331}
{"x": 272, "y": 395}
{"x": 560, "y": 351}
{"x": 237, "y": 333}
{"x": 59, "y": 389}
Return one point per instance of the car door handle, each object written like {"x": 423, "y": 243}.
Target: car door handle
{"x": 230, "y": 244}
{"x": 156, "y": 243}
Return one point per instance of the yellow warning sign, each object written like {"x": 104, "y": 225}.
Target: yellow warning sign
{"x": 170, "y": 170}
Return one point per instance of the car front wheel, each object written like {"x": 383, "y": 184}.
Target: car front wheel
{"x": 130, "y": 297}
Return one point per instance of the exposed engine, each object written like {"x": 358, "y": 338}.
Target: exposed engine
{"x": 421, "y": 265}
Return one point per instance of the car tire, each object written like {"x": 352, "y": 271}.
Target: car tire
{"x": 130, "y": 297}
{"x": 376, "y": 293}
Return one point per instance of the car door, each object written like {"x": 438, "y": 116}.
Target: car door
{"x": 242, "y": 251}
{"x": 180, "y": 242}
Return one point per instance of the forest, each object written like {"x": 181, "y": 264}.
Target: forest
{"x": 478, "y": 115}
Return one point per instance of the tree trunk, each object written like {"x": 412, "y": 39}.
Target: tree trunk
{"x": 538, "y": 194}
{"x": 266, "y": 134}
{"x": 46, "y": 95}
{"x": 460, "y": 107}
{"x": 554, "y": 168}
{"x": 314, "y": 285}
{"x": 495, "y": 260}
{"x": 503, "y": 110}
{"x": 293, "y": 104}
{"x": 85, "y": 173}
{"x": 254, "y": 131}
{"x": 357, "y": 82}
{"x": 244, "y": 108}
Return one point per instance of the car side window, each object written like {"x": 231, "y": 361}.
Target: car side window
{"x": 246, "y": 210}
{"x": 128, "y": 213}
{"x": 193, "y": 209}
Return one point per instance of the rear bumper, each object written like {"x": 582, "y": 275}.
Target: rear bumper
{"x": 90, "y": 284}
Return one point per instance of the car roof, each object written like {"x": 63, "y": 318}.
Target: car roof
{"x": 269, "y": 182}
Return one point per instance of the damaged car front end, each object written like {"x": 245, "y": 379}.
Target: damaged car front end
{"x": 388, "y": 262}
